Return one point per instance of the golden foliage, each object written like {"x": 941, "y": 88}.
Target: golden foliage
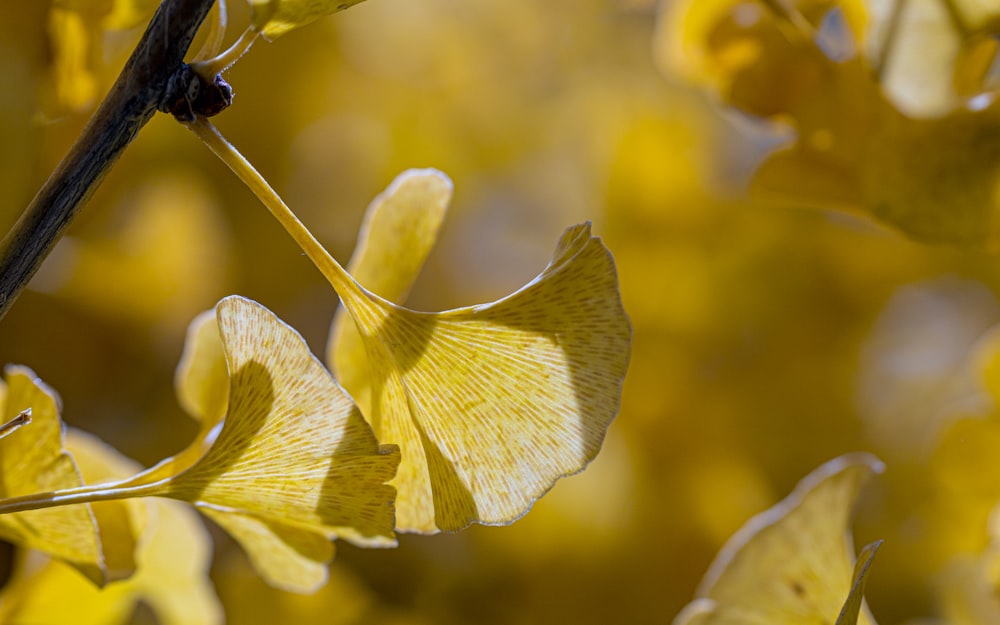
{"x": 37, "y": 461}
{"x": 489, "y": 404}
{"x": 793, "y": 563}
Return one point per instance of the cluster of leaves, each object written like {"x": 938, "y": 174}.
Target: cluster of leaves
{"x": 759, "y": 332}
{"x": 486, "y": 406}
{"x": 464, "y": 416}
{"x": 892, "y": 113}
{"x": 891, "y": 103}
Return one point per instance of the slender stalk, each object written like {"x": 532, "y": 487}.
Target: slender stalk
{"x": 137, "y": 93}
{"x": 22, "y": 419}
{"x": 210, "y": 68}
{"x": 218, "y": 20}
{"x": 338, "y": 277}
{"x": 83, "y": 494}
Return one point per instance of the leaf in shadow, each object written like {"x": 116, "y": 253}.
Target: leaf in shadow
{"x": 294, "y": 464}
{"x": 490, "y": 404}
{"x": 399, "y": 231}
{"x": 34, "y": 460}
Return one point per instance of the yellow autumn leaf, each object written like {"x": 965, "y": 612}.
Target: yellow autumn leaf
{"x": 273, "y": 18}
{"x": 294, "y": 464}
{"x": 125, "y": 14}
{"x": 34, "y": 460}
{"x": 755, "y": 55}
{"x": 924, "y": 49}
{"x": 399, "y": 230}
{"x": 854, "y": 148}
{"x": 792, "y": 564}
{"x": 75, "y": 84}
{"x": 173, "y": 554}
{"x": 491, "y": 404}
{"x": 287, "y": 557}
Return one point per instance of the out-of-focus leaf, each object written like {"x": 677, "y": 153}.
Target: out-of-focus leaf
{"x": 792, "y": 564}
{"x": 933, "y": 178}
{"x": 400, "y": 228}
{"x": 918, "y": 368}
{"x": 128, "y": 13}
{"x": 273, "y": 18}
{"x": 74, "y": 81}
{"x": 34, "y": 460}
{"x": 141, "y": 255}
{"x": 491, "y": 404}
{"x": 294, "y": 464}
{"x": 921, "y": 48}
{"x": 77, "y": 29}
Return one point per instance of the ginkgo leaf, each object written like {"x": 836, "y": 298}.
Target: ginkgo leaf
{"x": 291, "y": 558}
{"x": 120, "y": 521}
{"x": 491, "y": 404}
{"x": 273, "y": 18}
{"x": 919, "y": 47}
{"x": 399, "y": 230}
{"x": 294, "y": 464}
{"x": 34, "y": 460}
{"x": 792, "y": 564}
{"x": 173, "y": 554}
{"x": 287, "y": 556}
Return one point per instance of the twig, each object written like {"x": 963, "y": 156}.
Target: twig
{"x": 137, "y": 93}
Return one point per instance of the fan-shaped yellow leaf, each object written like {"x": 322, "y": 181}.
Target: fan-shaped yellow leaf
{"x": 399, "y": 230}
{"x": 292, "y": 433}
{"x": 286, "y": 556}
{"x": 492, "y": 404}
{"x": 34, "y": 460}
{"x": 273, "y": 18}
{"x": 791, "y": 565}
{"x": 294, "y": 464}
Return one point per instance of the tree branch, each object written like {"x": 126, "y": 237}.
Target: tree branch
{"x": 138, "y": 92}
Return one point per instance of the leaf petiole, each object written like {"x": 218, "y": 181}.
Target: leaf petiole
{"x": 210, "y": 68}
{"x": 83, "y": 494}
{"x": 336, "y": 275}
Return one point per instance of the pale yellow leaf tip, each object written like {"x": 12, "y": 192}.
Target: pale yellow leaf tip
{"x": 492, "y": 404}
{"x": 398, "y": 233}
{"x": 273, "y": 18}
{"x": 852, "y": 607}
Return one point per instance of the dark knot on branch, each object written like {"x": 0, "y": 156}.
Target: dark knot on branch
{"x": 188, "y": 95}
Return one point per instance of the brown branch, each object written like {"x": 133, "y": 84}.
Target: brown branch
{"x": 138, "y": 92}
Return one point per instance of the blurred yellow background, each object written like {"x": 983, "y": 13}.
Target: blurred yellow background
{"x": 767, "y": 339}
